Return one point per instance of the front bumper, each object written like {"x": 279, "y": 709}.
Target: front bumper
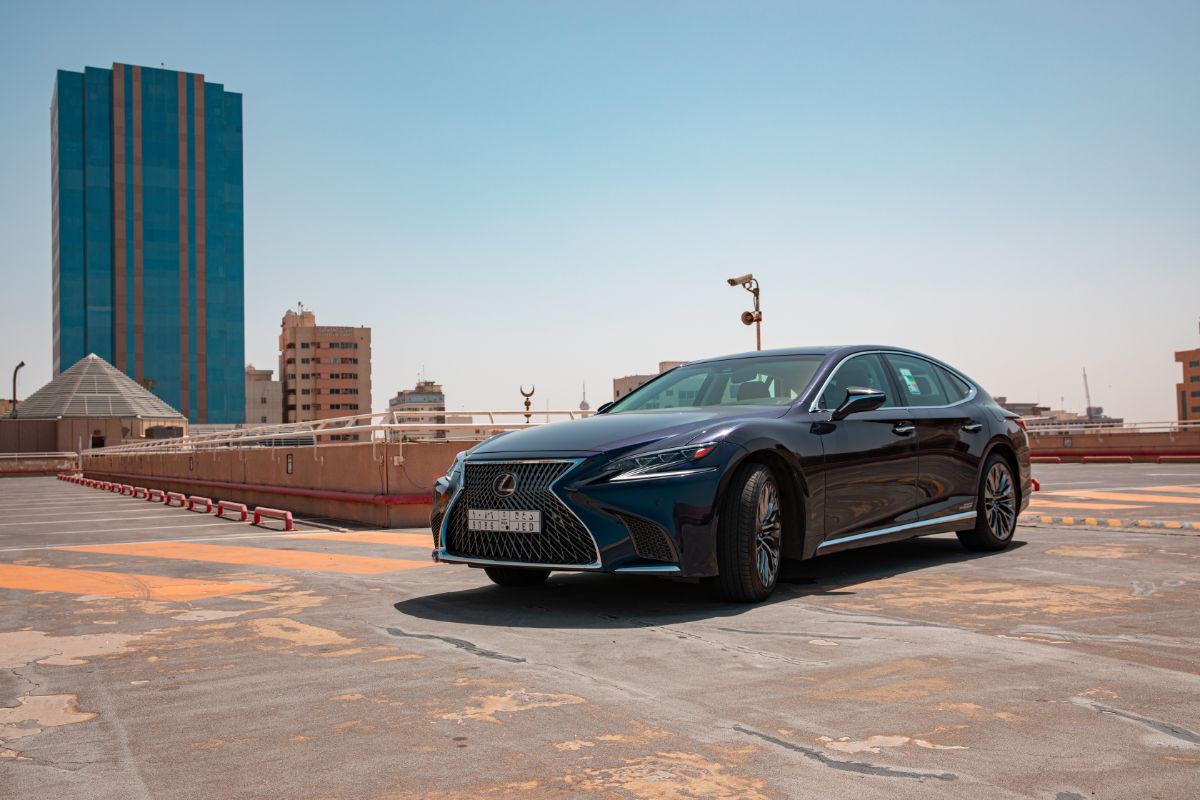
{"x": 656, "y": 526}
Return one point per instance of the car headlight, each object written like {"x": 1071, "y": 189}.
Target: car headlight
{"x": 456, "y": 467}
{"x": 662, "y": 463}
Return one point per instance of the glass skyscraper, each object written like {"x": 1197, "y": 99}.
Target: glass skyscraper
{"x": 148, "y": 255}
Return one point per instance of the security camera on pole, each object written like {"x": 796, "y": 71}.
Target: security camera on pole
{"x": 754, "y": 317}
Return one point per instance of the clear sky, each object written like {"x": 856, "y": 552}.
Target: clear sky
{"x": 548, "y": 193}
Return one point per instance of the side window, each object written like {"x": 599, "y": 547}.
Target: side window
{"x": 956, "y": 388}
{"x": 918, "y": 380}
{"x": 863, "y": 372}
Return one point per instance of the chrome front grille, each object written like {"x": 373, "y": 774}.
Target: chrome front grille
{"x": 563, "y": 540}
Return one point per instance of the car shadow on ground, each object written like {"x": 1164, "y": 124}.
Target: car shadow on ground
{"x": 598, "y": 601}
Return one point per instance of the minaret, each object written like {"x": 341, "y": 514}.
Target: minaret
{"x": 583, "y": 404}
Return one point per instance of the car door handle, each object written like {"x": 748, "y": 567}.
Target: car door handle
{"x": 903, "y": 428}
{"x": 973, "y": 427}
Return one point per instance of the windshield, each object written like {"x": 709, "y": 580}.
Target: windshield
{"x": 765, "y": 381}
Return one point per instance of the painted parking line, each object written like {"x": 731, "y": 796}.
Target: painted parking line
{"x": 1081, "y": 506}
{"x": 1130, "y": 496}
{"x": 257, "y": 557}
{"x": 424, "y": 540}
{"x": 116, "y": 584}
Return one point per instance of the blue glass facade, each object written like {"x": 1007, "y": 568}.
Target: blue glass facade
{"x": 147, "y": 233}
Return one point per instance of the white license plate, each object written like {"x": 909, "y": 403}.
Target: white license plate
{"x": 504, "y": 519}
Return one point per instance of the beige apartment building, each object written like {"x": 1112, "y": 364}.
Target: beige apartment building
{"x": 325, "y": 370}
{"x": 1187, "y": 392}
{"x": 424, "y": 404}
{"x": 623, "y": 386}
{"x": 264, "y": 397}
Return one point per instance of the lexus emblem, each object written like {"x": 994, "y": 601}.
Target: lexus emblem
{"x": 504, "y": 485}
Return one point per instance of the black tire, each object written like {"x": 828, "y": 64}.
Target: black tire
{"x": 741, "y": 578}
{"x": 516, "y": 576}
{"x": 998, "y": 504}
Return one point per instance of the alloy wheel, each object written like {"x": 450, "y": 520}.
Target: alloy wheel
{"x": 768, "y": 540}
{"x": 1000, "y": 501}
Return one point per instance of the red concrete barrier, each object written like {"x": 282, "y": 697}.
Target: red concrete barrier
{"x": 229, "y": 505}
{"x": 139, "y": 492}
{"x": 115, "y": 488}
{"x": 127, "y": 490}
{"x": 1045, "y": 460}
{"x": 274, "y": 513}
{"x": 205, "y": 503}
{"x": 156, "y": 496}
{"x": 1106, "y": 460}
{"x": 173, "y": 496}
{"x": 1177, "y": 459}
{"x": 1037, "y": 485}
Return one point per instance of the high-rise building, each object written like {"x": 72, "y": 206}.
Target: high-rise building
{"x": 146, "y": 183}
{"x": 625, "y": 385}
{"x": 264, "y": 397}
{"x": 325, "y": 369}
{"x": 424, "y": 404}
{"x": 1187, "y": 392}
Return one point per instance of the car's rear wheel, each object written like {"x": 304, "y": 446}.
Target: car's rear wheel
{"x": 516, "y": 576}
{"x": 997, "y": 504}
{"x": 750, "y": 537}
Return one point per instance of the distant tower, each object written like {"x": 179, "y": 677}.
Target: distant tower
{"x": 583, "y": 404}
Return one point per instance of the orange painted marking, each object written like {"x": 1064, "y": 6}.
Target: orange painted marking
{"x": 1130, "y": 496}
{"x": 256, "y": 557}
{"x": 424, "y": 540}
{"x": 116, "y": 584}
{"x": 1081, "y": 506}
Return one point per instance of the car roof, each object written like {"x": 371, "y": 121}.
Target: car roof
{"x": 830, "y": 350}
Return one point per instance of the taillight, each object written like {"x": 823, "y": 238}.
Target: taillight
{"x": 1021, "y": 423}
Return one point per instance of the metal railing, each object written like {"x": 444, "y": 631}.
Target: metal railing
{"x": 380, "y": 427}
{"x": 15, "y": 456}
{"x": 1037, "y": 428}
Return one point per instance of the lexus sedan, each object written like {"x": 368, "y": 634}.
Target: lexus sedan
{"x": 722, "y": 468}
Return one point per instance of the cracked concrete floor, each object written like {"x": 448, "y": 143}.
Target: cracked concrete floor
{"x": 1065, "y": 667}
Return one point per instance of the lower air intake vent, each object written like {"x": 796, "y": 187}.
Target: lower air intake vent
{"x": 649, "y": 540}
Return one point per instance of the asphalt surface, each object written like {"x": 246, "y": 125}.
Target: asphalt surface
{"x": 1121, "y": 491}
{"x": 169, "y": 655}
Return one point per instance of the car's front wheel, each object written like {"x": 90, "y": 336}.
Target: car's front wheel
{"x": 997, "y": 505}
{"x": 750, "y": 537}
{"x": 516, "y": 576}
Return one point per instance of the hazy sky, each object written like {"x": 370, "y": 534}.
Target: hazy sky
{"x": 555, "y": 192}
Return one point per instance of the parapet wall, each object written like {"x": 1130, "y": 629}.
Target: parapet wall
{"x": 1143, "y": 446}
{"x": 389, "y": 485}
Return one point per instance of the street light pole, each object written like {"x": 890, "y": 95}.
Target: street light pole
{"x": 754, "y": 317}
{"x": 14, "y": 395}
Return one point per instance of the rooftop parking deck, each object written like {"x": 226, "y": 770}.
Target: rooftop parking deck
{"x": 148, "y": 651}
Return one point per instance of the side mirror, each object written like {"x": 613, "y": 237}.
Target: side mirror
{"x": 859, "y": 400}
{"x": 605, "y": 406}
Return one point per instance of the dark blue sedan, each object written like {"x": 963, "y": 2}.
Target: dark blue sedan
{"x": 722, "y": 468}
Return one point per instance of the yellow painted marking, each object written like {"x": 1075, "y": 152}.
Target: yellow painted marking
{"x": 116, "y": 584}
{"x": 1145, "y": 498}
{"x": 1068, "y": 520}
{"x": 1081, "y": 505}
{"x": 423, "y": 540}
{"x": 1172, "y": 525}
{"x": 1115, "y": 523}
{"x": 1090, "y": 521}
{"x": 1047, "y": 519}
{"x": 256, "y": 557}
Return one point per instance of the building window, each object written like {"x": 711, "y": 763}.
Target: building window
{"x": 1195, "y": 379}
{"x": 291, "y": 361}
{"x": 264, "y": 419}
{"x": 302, "y": 361}
{"x": 1194, "y": 363}
{"x": 304, "y": 345}
{"x": 306, "y": 407}
{"x": 1196, "y": 394}
{"x": 305, "y": 391}
{"x": 1196, "y": 409}
{"x": 262, "y": 401}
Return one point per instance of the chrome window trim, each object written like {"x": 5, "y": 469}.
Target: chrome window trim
{"x": 924, "y": 523}
{"x": 649, "y": 570}
{"x": 815, "y": 404}
{"x": 444, "y": 555}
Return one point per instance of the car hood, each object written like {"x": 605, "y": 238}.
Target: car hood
{"x": 605, "y": 432}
